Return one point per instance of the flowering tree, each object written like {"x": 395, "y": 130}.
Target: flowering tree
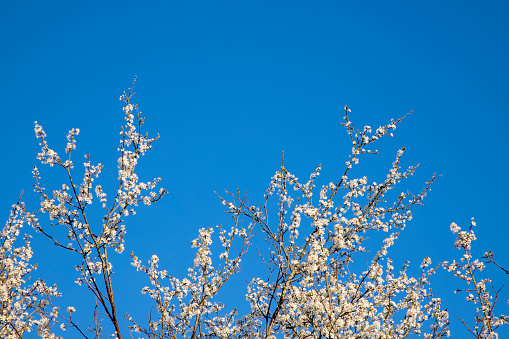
{"x": 311, "y": 286}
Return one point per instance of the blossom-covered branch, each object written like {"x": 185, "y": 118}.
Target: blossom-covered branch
{"x": 24, "y": 306}
{"x": 67, "y": 207}
{"x": 486, "y": 320}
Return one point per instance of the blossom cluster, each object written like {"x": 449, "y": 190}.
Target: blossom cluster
{"x": 486, "y": 320}
{"x": 24, "y": 306}
{"x": 311, "y": 290}
{"x": 185, "y": 306}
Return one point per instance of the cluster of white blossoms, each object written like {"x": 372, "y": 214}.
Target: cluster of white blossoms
{"x": 486, "y": 320}
{"x": 311, "y": 290}
{"x": 313, "y": 283}
{"x": 185, "y": 306}
{"x": 24, "y": 305}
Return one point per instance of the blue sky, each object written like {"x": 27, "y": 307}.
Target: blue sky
{"x": 229, "y": 85}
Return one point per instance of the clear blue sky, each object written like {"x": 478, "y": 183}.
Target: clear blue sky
{"x": 230, "y": 84}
